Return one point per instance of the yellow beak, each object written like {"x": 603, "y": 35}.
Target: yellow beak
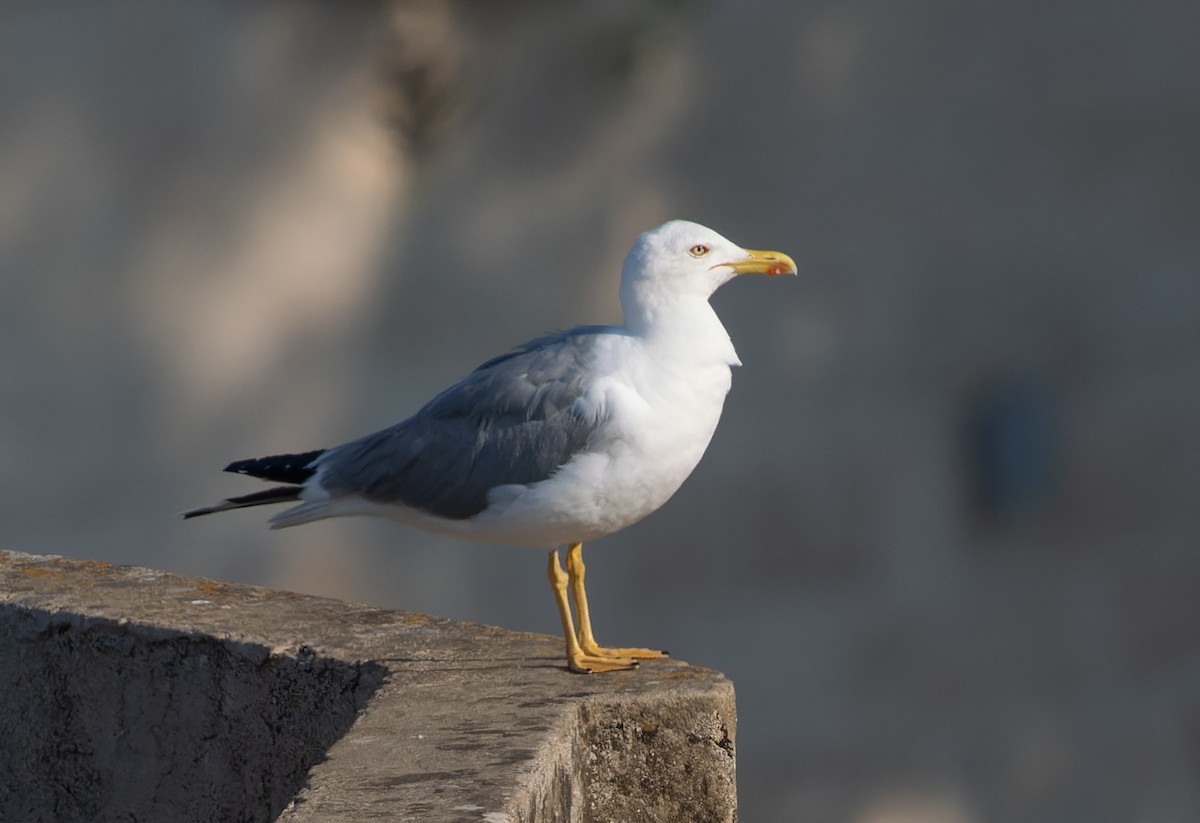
{"x": 763, "y": 262}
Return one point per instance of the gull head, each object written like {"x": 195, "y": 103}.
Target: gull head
{"x": 681, "y": 260}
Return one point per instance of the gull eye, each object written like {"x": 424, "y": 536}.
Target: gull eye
{"x": 698, "y": 250}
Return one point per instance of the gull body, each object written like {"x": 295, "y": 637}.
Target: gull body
{"x": 570, "y": 437}
{"x": 633, "y": 463}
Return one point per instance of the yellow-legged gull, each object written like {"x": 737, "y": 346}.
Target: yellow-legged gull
{"x": 570, "y": 437}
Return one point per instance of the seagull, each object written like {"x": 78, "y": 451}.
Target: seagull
{"x": 568, "y": 438}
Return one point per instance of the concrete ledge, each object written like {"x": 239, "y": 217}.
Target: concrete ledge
{"x": 135, "y": 694}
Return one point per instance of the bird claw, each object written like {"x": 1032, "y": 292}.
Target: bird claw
{"x": 589, "y": 664}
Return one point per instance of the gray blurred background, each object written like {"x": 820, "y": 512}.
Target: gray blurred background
{"x": 945, "y": 541}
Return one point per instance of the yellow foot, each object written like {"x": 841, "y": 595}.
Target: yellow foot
{"x": 592, "y": 649}
{"x": 586, "y": 640}
{"x": 591, "y": 664}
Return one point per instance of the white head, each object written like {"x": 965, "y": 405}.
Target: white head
{"x": 680, "y": 263}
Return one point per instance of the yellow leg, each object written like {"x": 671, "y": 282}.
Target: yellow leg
{"x": 587, "y": 640}
{"x": 576, "y": 659}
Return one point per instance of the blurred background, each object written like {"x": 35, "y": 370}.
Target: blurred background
{"x": 946, "y": 540}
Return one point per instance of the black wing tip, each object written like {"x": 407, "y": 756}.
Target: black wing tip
{"x": 280, "y": 468}
{"x": 277, "y": 494}
{"x": 224, "y": 505}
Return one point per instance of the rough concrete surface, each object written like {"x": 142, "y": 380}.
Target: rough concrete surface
{"x": 138, "y": 695}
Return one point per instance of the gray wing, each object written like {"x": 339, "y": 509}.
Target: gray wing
{"x": 513, "y": 420}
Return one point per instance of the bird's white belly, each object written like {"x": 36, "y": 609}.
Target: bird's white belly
{"x": 659, "y": 439}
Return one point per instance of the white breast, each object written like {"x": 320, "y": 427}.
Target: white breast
{"x": 661, "y": 416}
